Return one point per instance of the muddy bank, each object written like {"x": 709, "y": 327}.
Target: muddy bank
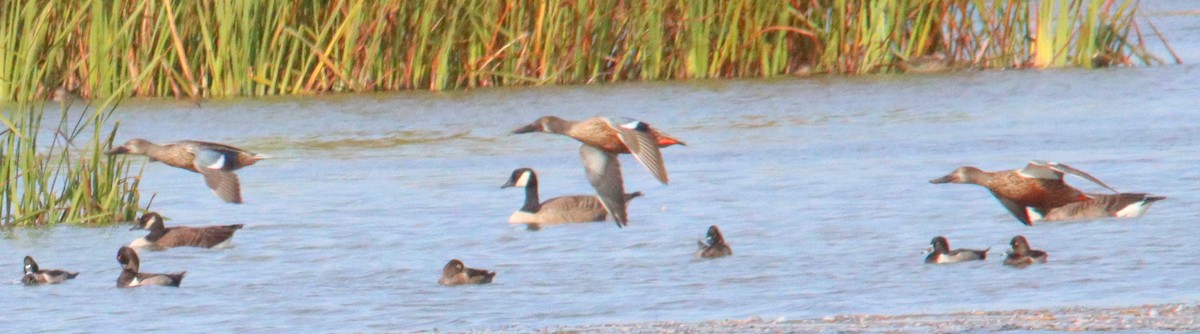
{"x": 1165, "y": 317}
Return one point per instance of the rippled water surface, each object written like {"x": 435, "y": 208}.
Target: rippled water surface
{"x": 819, "y": 184}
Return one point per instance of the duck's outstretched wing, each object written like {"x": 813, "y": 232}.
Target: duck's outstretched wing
{"x": 637, "y": 136}
{"x": 223, "y": 182}
{"x": 1040, "y": 167}
{"x": 604, "y": 173}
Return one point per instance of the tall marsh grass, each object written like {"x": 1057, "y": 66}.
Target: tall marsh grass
{"x": 234, "y": 47}
{"x": 62, "y": 175}
{"x": 52, "y": 169}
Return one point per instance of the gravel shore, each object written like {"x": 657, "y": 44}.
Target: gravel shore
{"x": 1145, "y": 318}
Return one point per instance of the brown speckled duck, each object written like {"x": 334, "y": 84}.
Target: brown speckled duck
{"x": 216, "y": 162}
{"x": 34, "y": 275}
{"x": 131, "y": 277}
{"x": 557, "y": 210}
{"x": 603, "y": 139}
{"x": 162, "y": 237}
{"x": 1040, "y": 188}
{"x": 457, "y": 273}
{"x": 1021, "y": 256}
{"x": 713, "y": 245}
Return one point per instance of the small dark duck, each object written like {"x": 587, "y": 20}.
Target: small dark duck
{"x": 162, "y": 237}
{"x": 713, "y": 246}
{"x": 132, "y": 278}
{"x": 1021, "y": 256}
{"x": 35, "y": 276}
{"x": 603, "y": 139}
{"x": 457, "y": 273}
{"x": 941, "y": 253}
{"x": 557, "y": 210}
{"x": 216, "y": 162}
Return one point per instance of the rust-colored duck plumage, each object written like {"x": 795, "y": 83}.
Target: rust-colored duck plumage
{"x": 1039, "y": 187}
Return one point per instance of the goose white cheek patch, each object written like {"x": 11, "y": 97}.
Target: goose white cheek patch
{"x": 523, "y": 180}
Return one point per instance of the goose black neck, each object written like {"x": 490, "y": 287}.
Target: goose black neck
{"x": 531, "y": 195}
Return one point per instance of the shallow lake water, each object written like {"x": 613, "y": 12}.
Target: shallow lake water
{"x": 819, "y": 184}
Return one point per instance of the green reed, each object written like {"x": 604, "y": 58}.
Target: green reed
{"x": 55, "y": 171}
{"x": 231, "y": 47}
{"x": 62, "y": 175}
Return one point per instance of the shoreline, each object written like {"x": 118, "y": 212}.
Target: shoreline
{"x": 1150, "y": 317}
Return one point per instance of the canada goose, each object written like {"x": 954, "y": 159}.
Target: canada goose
{"x": 557, "y": 210}
{"x": 941, "y": 253}
{"x": 161, "y": 237}
{"x": 34, "y": 275}
{"x": 1021, "y": 256}
{"x": 1120, "y": 205}
{"x": 457, "y": 273}
{"x": 714, "y": 245}
{"x": 131, "y": 277}
{"x": 216, "y": 162}
{"x": 603, "y": 139}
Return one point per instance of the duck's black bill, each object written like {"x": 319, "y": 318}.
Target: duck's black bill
{"x": 944, "y": 179}
{"x": 532, "y": 127}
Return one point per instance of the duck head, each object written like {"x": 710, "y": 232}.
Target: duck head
{"x": 454, "y": 267}
{"x": 543, "y": 124}
{"x": 1020, "y": 246}
{"x": 714, "y": 236}
{"x": 128, "y": 259}
{"x": 30, "y": 265}
{"x": 940, "y": 245}
{"x": 964, "y": 174}
{"x": 133, "y": 146}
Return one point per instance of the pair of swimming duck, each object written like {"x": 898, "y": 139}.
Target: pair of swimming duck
{"x": 457, "y": 273}
{"x": 1019, "y": 256}
{"x": 130, "y": 273}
